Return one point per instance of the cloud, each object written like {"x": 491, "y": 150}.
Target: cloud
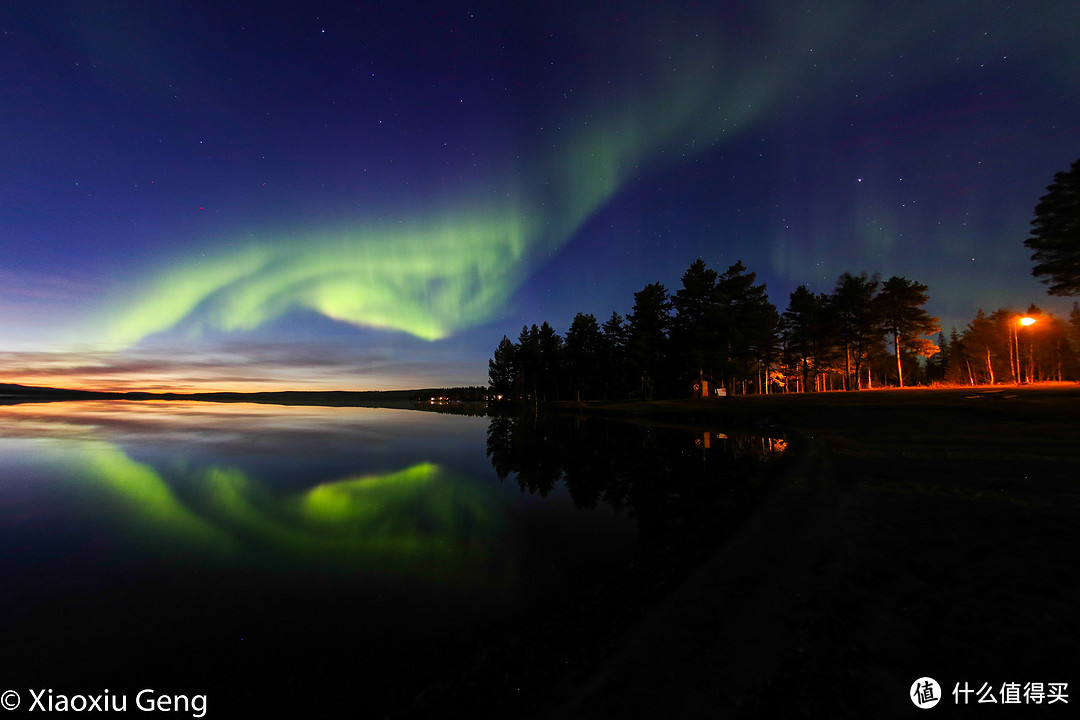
{"x": 240, "y": 365}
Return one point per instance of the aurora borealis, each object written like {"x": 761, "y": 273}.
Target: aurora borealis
{"x": 214, "y": 481}
{"x": 369, "y": 195}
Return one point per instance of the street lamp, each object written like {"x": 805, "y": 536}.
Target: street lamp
{"x": 1026, "y": 321}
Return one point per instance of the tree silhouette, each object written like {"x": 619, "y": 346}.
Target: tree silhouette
{"x": 987, "y": 344}
{"x": 502, "y": 368}
{"x": 1056, "y": 235}
{"x": 803, "y": 329}
{"x": 613, "y": 356}
{"x": 582, "y": 349}
{"x": 697, "y": 322}
{"x": 937, "y": 363}
{"x": 957, "y": 362}
{"x": 899, "y": 306}
{"x": 990, "y": 351}
{"x": 1074, "y": 328}
{"x": 650, "y": 321}
{"x": 851, "y": 306}
{"x": 749, "y": 321}
{"x": 550, "y": 346}
{"x": 528, "y": 363}
{"x": 722, "y": 326}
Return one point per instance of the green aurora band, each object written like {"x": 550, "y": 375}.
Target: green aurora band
{"x": 654, "y": 97}
{"x": 430, "y": 276}
{"x": 426, "y": 282}
{"x": 416, "y": 522}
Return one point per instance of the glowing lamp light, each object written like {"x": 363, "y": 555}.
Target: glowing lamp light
{"x": 1025, "y": 321}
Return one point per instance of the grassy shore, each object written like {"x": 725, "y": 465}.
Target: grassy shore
{"x": 918, "y": 533}
{"x": 907, "y": 534}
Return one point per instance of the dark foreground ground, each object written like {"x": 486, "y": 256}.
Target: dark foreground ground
{"x": 908, "y": 534}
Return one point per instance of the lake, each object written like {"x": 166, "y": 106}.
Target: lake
{"x": 237, "y": 557}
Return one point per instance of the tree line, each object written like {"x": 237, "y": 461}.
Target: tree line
{"x": 998, "y": 348}
{"x": 720, "y": 332}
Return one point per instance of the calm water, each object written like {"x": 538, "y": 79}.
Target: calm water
{"x": 312, "y": 558}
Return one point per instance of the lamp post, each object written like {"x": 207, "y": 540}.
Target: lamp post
{"x": 1026, "y": 321}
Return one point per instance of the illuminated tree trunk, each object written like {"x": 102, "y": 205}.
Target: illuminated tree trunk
{"x": 899, "y": 365}
{"x": 1014, "y": 356}
{"x": 847, "y": 368}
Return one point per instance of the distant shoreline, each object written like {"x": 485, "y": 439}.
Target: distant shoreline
{"x": 10, "y": 393}
{"x": 780, "y": 408}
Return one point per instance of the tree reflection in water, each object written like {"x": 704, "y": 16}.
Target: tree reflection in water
{"x": 662, "y": 476}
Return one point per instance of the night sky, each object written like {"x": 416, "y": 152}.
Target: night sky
{"x": 368, "y": 195}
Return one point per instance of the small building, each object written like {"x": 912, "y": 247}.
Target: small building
{"x": 708, "y": 388}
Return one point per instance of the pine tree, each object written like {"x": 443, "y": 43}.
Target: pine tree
{"x": 695, "y": 327}
{"x": 581, "y": 349}
{"x": 528, "y": 364}
{"x": 857, "y": 325}
{"x": 802, "y": 328}
{"x": 899, "y": 306}
{"x": 749, "y": 322}
{"x": 550, "y": 346}
{"x": 987, "y": 347}
{"x": 502, "y": 369}
{"x": 1073, "y": 332}
{"x": 1056, "y": 237}
{"x": 957, "y": 363}
{"x": 935, "y": 363}
{"x": 650, "y": 322}
{"x": 613, "y": 356}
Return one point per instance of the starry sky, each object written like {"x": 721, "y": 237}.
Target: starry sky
{"x": 368, "y": 195}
